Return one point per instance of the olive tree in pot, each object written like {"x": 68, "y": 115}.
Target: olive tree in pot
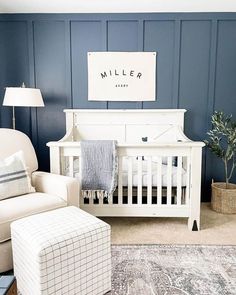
{"x": 222, "y": 142}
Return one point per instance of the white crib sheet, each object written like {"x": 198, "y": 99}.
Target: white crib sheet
{"x": 144, "y": 173}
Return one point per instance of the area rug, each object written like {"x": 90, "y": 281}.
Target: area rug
{"x": 173, "y": 270}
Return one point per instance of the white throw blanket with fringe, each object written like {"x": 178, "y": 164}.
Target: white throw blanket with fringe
{"x": 99, "y": 168}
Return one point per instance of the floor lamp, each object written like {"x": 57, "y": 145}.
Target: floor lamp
{"x": 22, "y": 97}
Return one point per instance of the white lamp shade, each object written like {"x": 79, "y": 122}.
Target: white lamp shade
{"x": 23, "y": 97}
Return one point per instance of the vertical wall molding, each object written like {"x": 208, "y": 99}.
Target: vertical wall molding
{"x": 105, "y": 40}
{"x": 212, "y": 72}
{"x": 104, "y": 35}
{"x": 139, "y": 105}
{"x": 176, "y": 65}
{"x": 211, "y": 96}
{"x": 68, "y": 64}
{"x": 32, "y": 81}
{"x": 31, "y": 53}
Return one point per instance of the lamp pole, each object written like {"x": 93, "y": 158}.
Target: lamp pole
{"x": 13, "y": 118}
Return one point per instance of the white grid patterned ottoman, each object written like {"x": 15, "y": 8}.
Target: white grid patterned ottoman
{"x": 64, "y": 251}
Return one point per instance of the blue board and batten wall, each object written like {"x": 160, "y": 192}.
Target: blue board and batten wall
{"x": 196, "y": 67}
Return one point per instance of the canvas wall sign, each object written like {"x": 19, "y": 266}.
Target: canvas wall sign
{"x": 122, "y": 76}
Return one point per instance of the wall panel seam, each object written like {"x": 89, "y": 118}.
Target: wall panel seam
{"x": 176, "y": 65}
{"x": 211, "y": 88}
{"x": 139, "y": 105}
{"x": 212, "y": 71}
{"x": 68, "y": 62}
{"x": 105, "y": 40}
{"x": 32, "y": 72}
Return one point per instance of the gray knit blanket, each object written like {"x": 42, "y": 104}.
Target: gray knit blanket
{"x": 99, "y": 168}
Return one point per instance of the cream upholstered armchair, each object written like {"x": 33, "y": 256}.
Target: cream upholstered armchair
{"x": 52, "y": 191}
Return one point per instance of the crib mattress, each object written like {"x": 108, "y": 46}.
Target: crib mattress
{"x": 145, "y": 174}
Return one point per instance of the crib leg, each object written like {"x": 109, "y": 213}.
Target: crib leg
{"x": 193, "y": 225}
{"x": 195, "y": 190}
{"x": 194, "y": 214}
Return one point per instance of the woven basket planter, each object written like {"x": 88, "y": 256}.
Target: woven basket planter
{"x": 223, "y": 200}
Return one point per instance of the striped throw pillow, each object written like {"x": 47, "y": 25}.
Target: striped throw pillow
{"x": 14, "y": 179}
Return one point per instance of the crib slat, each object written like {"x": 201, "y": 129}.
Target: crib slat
{"x": 120, "y": 180}
{"x": 169, "y": 178}
{"x": 187, "y": 182}
{"x": 179, "y": 180}
{"x": 140, "y": 180}
{"x": 130, "y": 179}
{"x": 159, "y": 180}
{"x": 71, "y": 166}
{"x": 64, "y": 166}
{"x": 149, "y": 188}
{"x": 81, "y": 201}
{"x": 100, "y": 202}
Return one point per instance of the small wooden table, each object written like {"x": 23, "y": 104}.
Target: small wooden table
{"x": 8, "y": 285}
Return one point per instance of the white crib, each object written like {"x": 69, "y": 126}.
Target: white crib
{"x": 159, "y": 167}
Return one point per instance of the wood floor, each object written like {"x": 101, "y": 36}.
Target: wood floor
{"x": 216, "y": 229}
